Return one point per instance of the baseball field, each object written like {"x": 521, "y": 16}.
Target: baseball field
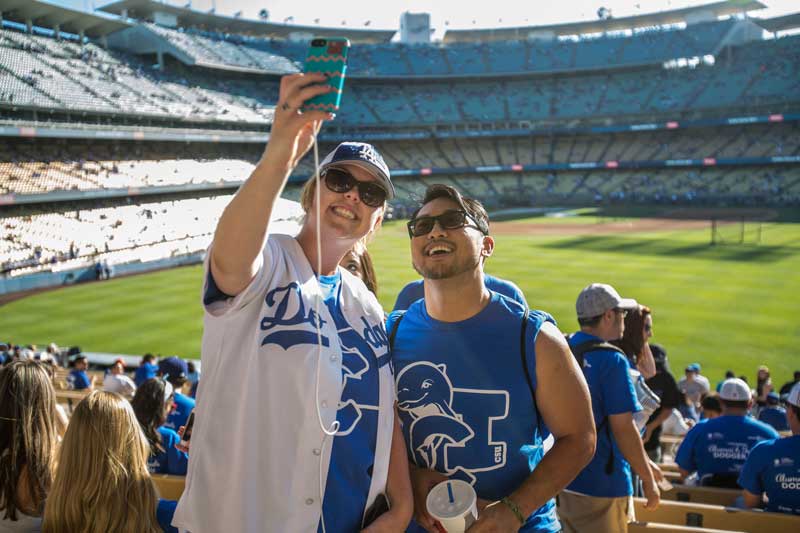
{"x": 729, "y": 305}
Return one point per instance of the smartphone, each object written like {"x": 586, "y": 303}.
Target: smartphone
{"x": 328, "y": 56}
{"x": 187, "y": 431}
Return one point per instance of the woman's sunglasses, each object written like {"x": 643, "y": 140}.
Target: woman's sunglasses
{"x": 453, "y": 219}
{"x": 370, "y": 192}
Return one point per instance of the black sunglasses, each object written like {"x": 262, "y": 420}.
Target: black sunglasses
{"x": 452, "y": 219}
{"x": 370, "y": 192}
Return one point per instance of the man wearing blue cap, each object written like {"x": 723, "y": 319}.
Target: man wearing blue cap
{"x": 694, "y": 385}
{"x": 175, "y": 370}
{"x": 295, "y": 423}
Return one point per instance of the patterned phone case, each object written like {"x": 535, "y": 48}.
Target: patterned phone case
{"x": 328, "y": 56}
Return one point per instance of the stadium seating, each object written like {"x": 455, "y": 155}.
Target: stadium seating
{"x": 41, "y": 71}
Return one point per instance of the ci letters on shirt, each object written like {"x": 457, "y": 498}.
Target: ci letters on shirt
{"x": 443, "y": 420}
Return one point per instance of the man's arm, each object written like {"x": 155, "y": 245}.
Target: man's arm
{"x": 663, "y": 415}
{"x": 562, "y": 397}
{"x": 630, "y": 444}
{"x": 242, "y": 228}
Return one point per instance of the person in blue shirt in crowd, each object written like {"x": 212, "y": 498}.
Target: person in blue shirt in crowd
{"x": 147, "y": 369}
{"x": 717, "y": 448}
{"x": 773, "y": 414}
{"x": 78, "y": 379}
{"x": 416, "y": 290}
{"x": 151, "y": 404}
{"x": 600, "y": 497}
{"x": 773, "y": 467}
{"x": 478, "y": 375}
{"x": 728, "y": 375}
{"x": 175, "y": 370}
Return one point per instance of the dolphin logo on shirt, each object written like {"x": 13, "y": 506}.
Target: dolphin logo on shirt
{"x": 425, "y": 393}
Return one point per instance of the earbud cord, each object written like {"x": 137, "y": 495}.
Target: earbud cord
{"x": 329, "y": 432}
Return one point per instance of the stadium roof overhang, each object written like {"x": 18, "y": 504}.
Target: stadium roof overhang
{"x": 661, "y": 18}
{"x": 48, "y": 15}
{"x": 776, "y": 24}
{"x": 186, "y": 17}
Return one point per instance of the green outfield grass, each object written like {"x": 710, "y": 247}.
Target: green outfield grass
{"x": 723, "y": 306}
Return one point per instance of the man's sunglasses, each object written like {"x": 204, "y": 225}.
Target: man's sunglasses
{"x": 453, "y": 219}
{"x": 370, "y": 192}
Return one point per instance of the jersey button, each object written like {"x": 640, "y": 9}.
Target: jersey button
{"x": 334, "y": 357}
{"x": 316, "y": 451}
{"x": 323, "y": 403}
{"x": 309, "y": 501}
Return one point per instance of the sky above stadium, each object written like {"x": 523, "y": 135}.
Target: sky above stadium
{"x": 445, "y": 14}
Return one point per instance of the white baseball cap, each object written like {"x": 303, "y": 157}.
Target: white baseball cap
{"x": 597, "y": 298}
{"x": 734, "y": 390}
{"x": 794, "y": 395}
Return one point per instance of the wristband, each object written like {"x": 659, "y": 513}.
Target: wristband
{"x": 514, "y": 509}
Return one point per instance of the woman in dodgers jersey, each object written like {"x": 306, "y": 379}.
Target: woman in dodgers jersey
{"x": 295, "y": 427}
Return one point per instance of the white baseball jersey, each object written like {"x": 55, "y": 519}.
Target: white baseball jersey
{"x": 259, "y": 457}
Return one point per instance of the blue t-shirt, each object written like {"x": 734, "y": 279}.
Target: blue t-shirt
{"x": 773, "y": 466}
{"x": 164, "y": 514}
{"x": 171, "y": 460}
{"x": 464, "y": 403}
{"x": 721, "y": 445}
{"x": 353, "y": 448}
{"x": 775, "y": 417}
{"x": 79, "y": 379}
{"x": 612, "y": 392}
{"x": 144, "y": 372}
{"x": 416, "y": 290}
{"x": 179, "y": 415}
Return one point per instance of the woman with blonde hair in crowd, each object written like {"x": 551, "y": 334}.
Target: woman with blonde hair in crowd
{"x": 28, "y": 439}
{"x": 102, "y": 482}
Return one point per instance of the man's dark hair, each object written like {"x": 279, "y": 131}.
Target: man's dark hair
{"x": 731, "y": 404}
{"x": 729, "y": 374}
{"x": 797, "y": 375}
{"x": 473, "y": 207}
{"x": 711, "y": 402}
{"x": 148, "y": 357}
{"x": 590, "y": 322}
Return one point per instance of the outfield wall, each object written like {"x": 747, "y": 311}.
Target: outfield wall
{"x": 47, "y": 280}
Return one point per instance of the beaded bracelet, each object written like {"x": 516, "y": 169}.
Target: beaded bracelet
{"x": 514, "y": 509}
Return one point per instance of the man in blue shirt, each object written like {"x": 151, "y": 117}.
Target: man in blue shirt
{"x": 717, "y": 448}
{"x": 78, "y": 379}
{"x": 600, "y": 498}
{"x": 416, "y": 290}
{"x": 174, "y": 370}
{"x": 478, "y": 376}
{"x": 773, "y": 467}
{"x": 773, "y": 414}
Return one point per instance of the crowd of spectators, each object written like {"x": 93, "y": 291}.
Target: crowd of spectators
{"x": 88, "y": 470}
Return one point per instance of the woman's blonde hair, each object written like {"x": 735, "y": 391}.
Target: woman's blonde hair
{"x": 28, "y": 435}
{"x": 102, "y": 483}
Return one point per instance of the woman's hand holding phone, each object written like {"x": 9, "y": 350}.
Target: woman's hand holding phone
{"x": 293, "y": 131}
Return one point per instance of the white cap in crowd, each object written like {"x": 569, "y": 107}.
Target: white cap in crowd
{"x": 598, "y": 298}
{"x": 734, "y": 390}
{"x": 794, "y": 395}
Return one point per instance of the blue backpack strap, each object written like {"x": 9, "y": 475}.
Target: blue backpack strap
{"x": 524, "y": 357}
